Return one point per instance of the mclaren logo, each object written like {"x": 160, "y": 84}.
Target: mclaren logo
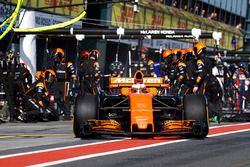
{"x": 131, "y": 80}
{"x": 122, "y": 80}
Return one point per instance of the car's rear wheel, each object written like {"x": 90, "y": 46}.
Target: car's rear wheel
{"x": 195, "y": 109}
{"x": 87, "y": 108}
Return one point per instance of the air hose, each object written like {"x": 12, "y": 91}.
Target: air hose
{"x": 52, "y": 27}
{"x": 38, "y": 29}
{"x": 13, "y": 16}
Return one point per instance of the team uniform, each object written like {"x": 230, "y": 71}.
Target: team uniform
{"x": 66, "y": 76}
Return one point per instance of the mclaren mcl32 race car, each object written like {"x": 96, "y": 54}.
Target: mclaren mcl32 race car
{"x": 137, "y": 107}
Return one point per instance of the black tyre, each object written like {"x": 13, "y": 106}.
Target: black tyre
{"x": 195, "y": 109}
{"x": 56, "y": 112}
{"x": 87, "y": 108}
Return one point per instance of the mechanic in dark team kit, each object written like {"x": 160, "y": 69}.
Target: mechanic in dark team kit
{"x": 182, "y": 65}
{"x": 23, "y": 77}
{"x": 9, "y": 68}
{"x": 204, "y": 68}
{"x": 23, "y": 81}
{"x": 166, "y": 66}
{"x": 66, "y": 76}
{"x": 81, "y": 68}
{"x": 36, "y": 98}
{"x": 92, "y": 73}
{"x": 190, "y": 70}
{"x": 146, "y": 65}
{"x": 174, "y": 71}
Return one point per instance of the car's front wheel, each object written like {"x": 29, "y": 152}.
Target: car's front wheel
{"x": 195, "y": 108}
{"x": 87, "y": 108}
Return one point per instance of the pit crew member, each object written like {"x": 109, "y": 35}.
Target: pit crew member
{"x": 36, "y": 98}
{"x": 82, "y": 68}
{"x": 203, "y": 65}
{"x": 66, "y": 77}
{"x": 92, "y": 75}
{"x": 146, "y": 65}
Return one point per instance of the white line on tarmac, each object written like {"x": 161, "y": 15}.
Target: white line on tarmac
{"x": 107, "y": 153}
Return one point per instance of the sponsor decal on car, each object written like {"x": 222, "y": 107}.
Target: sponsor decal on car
{"x": 131, "y": 80}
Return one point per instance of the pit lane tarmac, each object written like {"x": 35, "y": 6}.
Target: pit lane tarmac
{"x": 41, "y": 134}
{"x": 62, "y": 149}
{"x": 21, "y": 135}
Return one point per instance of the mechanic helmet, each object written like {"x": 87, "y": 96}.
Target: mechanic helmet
{"x": 189, "y": 53}
{"x": 59, "y": 55}
{"x": 84, "y": 55}
{"x": 166, "y": 54}
{"x": 176, "y": 52}
{"x": 199, "y": 49}
{"x": 39, "y": 75}
{"x": 50, "y": 75}
{"x": 94, "y": 55}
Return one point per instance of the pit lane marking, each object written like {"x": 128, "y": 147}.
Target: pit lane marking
{"x": 6, "y": 137}
{"x": 128, "y": 149}
{"x": 106, "y": 153}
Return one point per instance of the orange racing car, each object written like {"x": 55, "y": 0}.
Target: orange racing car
{"x": 139, "y": 108}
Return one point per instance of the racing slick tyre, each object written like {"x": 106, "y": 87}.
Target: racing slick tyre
{"x": 87, "y": 108}
{"x": 195, "y": 109}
